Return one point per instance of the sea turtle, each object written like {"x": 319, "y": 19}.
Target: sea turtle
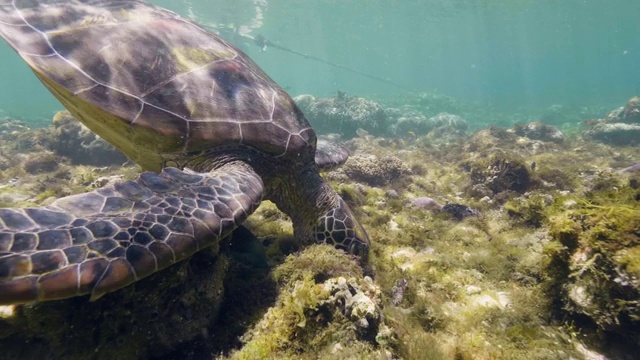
{"x": 178, "y": 100}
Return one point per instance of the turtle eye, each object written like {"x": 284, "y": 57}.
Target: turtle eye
{"x": 340, "y": 228}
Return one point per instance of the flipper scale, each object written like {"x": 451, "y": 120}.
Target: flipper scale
{"x": 100, "y": 241}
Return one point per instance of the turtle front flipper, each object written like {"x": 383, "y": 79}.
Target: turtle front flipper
{"x": 340, "y": 228}
{"x": 100, "y": 241}
{"x": 330, "y": 155}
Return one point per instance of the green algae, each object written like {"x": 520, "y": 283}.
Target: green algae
{"x": 591, "y": 269}
{"x": 306, "y": 321}
{"x": 502, "y": 285}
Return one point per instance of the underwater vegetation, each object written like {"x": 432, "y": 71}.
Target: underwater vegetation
{"x": 592, "y": 265}
{"x": 500, "y": 242}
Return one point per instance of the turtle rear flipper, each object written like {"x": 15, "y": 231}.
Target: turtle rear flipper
{"x": 100, "y": 241}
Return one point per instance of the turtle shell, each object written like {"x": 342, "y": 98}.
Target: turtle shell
{"x": 150, "y": 82}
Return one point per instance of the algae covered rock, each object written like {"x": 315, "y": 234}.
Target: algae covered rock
{"x": 150, "y": 318}
{"x": 593, "y": 267}
{"x": 345, "y": 114}
{"x": 620, "y": 127}
{"x": 539, "y": 131}
{"x": 628, "y": 114}
{"x": 325, "y": 307}
{"x": 375, "y": 171}
{"x": 71, "y": 139}
{"x": 499, "y": 174}
{"x": 616, "y": 133}
{"x": 38, "y": 163}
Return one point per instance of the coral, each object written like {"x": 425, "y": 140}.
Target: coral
{"x": 345, "y": 114}
{"x": 447, "y": 128}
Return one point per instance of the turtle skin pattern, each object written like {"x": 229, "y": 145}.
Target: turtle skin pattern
{"x": 100, "y": 241}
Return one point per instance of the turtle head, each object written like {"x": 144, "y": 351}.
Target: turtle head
{"x": 340, "y": 228}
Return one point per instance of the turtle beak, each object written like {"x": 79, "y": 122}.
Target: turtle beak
{"x": 340, "y": 228}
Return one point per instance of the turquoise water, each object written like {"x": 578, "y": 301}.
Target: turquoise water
{"x": 510, "y": 54}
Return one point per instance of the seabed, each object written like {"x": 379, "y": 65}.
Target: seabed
{"x": 542, "y": 262}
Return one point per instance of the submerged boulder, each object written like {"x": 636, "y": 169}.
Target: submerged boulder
{"x": 620, "y": 127}
{"x": 615, "y": 133}
{"x": 628, "y": 114}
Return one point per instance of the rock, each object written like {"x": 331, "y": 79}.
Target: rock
{"x": 616, "y": 133}
{"x": 71, "y": 139}
{"x": 38, "y": 163}
{"x": 459, "y": 211}
{"x": 324, "y": 300}
{"x": 424, "y": 203}
{"x": 375, "y": 171}
{"x": 304, "y": 102}
{"x": 345, "y": 114}
{"x": 539, "y": 131}
{"x": 631, "y": 169}
{"x": 392, "y": 194}
{"x": 628, "y": 114}
{"x": 620, "y": 127}
{"x": 499, "y": 174}
{"x": 593, "y": 266}
{"x": 472, "y": 290}
{"x": 103, "y": 181}
{"x": 613, "y": 116}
